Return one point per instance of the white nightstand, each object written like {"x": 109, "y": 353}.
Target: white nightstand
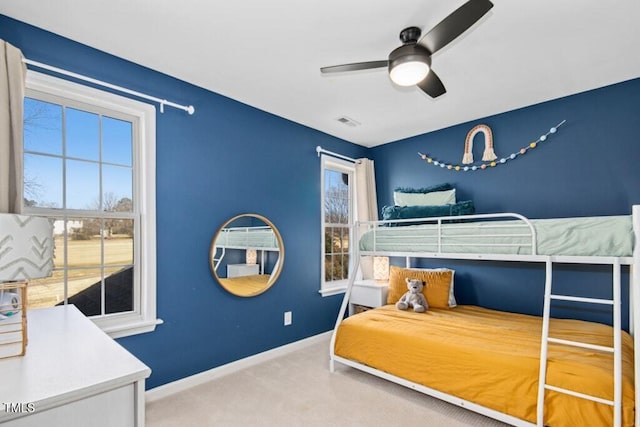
{"x": 369, "y": 294}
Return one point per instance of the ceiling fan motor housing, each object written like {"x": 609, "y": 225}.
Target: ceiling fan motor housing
{"x": 410, "y": 35}
{"x": 409, "y": 52}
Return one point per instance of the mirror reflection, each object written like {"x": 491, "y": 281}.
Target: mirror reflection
{"x": 246, "y": 255}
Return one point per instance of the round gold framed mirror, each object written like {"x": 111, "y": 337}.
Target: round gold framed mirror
{"x": 246, "y": 255}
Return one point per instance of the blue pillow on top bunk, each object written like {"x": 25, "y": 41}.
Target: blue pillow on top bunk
{"x": 407, "y": 212}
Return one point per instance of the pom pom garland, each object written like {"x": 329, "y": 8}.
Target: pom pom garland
{"x": 450, "y": 166}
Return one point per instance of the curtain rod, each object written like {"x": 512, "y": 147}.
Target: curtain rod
{"x": 188, "y": 108}
{"x": 320, "y": 150}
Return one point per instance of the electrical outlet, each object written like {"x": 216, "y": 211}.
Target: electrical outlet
{"x": 287, "y": 318}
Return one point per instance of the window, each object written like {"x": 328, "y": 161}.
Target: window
{"x": 338, "y": 195}
{"x": 89, "y": 165}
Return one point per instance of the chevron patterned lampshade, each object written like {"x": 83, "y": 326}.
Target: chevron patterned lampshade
{"x": 251, "y": 256}
{"x": 26, "y": 247}
{"x": 380, "y": 268}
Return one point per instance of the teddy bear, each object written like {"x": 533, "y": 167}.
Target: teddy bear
{"x": 414, "y": 297}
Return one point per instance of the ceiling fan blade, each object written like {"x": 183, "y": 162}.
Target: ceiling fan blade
{"x": 354, "y": 67}
{"x": 455, "y": 24}
{"x": 432, "y": 85}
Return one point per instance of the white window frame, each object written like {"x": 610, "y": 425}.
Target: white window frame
{"x": 335, "y": 164}
{"x": 143, "y": 317}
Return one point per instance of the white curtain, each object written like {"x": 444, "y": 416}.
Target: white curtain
{"x": 12, "y": 85}
{"x": 366, "y": 204}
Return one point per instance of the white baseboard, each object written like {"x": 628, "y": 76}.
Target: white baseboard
{"x": 220, "y": 371}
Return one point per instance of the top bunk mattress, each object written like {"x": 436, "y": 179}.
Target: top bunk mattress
{"x": 584, "y": 236}
{"x": 248, "y": 238}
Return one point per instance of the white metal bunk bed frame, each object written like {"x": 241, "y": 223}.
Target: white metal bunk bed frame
{"x": 548, "y": 260}
{"x": 223, "y": 248}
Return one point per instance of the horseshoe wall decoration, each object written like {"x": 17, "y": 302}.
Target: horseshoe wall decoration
{"x": 488, "y": 154}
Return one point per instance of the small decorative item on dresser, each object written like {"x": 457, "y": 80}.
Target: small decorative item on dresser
{"x": 13, "y": 319}
{"x": 26, "y": 252}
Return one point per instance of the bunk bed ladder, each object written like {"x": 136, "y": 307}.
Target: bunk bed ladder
{"x": 216, "y": 261}
{"x": 616, "y": 350}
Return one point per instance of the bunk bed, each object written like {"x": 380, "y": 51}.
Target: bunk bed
{"x": 259, "y": 238}
{"x": 520, "y": 369}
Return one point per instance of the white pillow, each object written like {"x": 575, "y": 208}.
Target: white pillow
{"x": 434, "y": 198}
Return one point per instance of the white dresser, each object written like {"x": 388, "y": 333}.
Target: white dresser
{"x": 73, "y": 374}
{"x": 237, "y": 270}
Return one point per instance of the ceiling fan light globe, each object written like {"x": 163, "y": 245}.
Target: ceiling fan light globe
{"x": 409, "y": 64}
{"x": 409, "y": 73}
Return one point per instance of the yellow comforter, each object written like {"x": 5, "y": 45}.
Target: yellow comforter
{"x": 492, "y": 358}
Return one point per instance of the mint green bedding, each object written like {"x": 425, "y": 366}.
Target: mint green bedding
{"x": 248, "y": 238}
{"x": 584, "y": 236}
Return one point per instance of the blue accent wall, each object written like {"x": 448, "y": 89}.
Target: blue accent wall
{"x": 589, "y": 167}
{"x": 226, "y": 159}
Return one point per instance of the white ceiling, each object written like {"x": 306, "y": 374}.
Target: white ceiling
{"x": 268, "y": 53}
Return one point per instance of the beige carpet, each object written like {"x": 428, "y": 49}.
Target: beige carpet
{"x": 299, "y": 390}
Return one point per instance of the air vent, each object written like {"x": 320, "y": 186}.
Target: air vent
{"x": 348, "y": 121}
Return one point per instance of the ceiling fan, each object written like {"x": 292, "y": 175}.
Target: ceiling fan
{"x": 410, "y": 64}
